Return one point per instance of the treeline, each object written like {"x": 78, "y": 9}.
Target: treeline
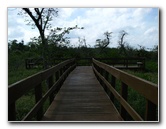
{"x": 18, "y": 52}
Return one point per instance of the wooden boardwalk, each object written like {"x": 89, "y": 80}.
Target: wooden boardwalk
{"x": 82, "y": 98}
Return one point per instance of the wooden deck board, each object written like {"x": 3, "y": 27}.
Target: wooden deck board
{"x": 81, "y": 98}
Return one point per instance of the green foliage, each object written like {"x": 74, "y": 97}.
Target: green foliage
{"x": 136, "y": 100}
{"x": 18, "y": 52}
{"x": 24, "y": 105}
{"x": 151, "y": 66}
{"x": 27, "y": 102}
{"x": 16, "y": 75}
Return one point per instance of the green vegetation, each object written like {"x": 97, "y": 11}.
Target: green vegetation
{"x": 18, "y": 52}
{"x": 137, "y": 101}
{"x": 15, "y": 76}
{"x": 56, "y": 45}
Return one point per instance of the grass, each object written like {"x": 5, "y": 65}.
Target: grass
{"x": 149, "y": 76}
{"x": 17, "y": 75}
{"x": 24, "y": 105}
{"x": 136, "y": 100}
{"x": 27, "y": 101}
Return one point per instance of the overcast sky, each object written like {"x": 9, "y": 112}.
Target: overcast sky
{"x": 141, "y": 24}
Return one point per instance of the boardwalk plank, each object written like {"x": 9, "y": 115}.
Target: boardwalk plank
{"x": 81, "y": 98}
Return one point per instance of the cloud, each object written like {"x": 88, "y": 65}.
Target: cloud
{"x": 99, "y": 20}
{"x": 96, "y": 21}
{"x": 65, "y": 13}
{"x": 13, "y": 34}
{"x": 151, "y": 31}
{"x": 17, "y": 28}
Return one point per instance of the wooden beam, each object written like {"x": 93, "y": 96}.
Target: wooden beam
{"x": 122, "y": 101}
{"x": 148, "y": 89}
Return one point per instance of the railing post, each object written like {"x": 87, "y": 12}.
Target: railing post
{"x": 61, "y": 71}
{"x": 124, "y": 93}
{"x": 103, "y": 73}
{"x": 106, "y": 76}
{"x": 38, "y": 96}
{"x": 113, "y": 83}
{"x": 50, "y": 84}
{"x": 57, "y": 75}
{"x": 150, "y": 114}
{"x": 11, "y": 112}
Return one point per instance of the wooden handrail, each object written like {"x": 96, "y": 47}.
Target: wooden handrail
{"x": 147, "y": 89}
{"x": 18, "y": 89}
{"x": 125, "y": 63}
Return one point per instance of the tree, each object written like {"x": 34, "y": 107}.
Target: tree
{"x": 82, "y": 42}
{"x": 14, "y": 45}
{"x": 142, "y": 51}
{"x": 41, "y": 18}
{"x": 57, "y": 35}
{"x": 122, "y": 43}
{"x": 102, "y": 44}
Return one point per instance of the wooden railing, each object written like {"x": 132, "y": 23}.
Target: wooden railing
{"x": 125, "y": 63}
{"x": 143, "y": 87}
{"x": 32, "y": 62}
{"x": 54, "y": 78}
{"x": 121, "y": 63}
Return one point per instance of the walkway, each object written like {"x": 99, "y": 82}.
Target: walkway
{"x": 81, "y": 98}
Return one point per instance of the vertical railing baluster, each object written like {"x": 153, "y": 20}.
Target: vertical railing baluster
{"x": 106, "y": 76}
{"x": 11, "y": 112}
{"x": 50, "y": 84}
{"x": 150, "y": 114}
{"x": 100, "y": 71}
{"x": 113, "y": 83}
{"x": 38, "y": 96}
{"x": 124, "y": 93}
{"x": 102, "y": 82}
{"x": 57, "y": 75}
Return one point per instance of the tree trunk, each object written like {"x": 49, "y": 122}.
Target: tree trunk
{"x": 44, "y": 51}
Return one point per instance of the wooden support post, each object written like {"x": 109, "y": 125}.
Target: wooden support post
{"x": 38, "y": 96}
{"x": 11, "y": 112}
{"x": 57, "y": 75}
{"x": 124, "y": 93}
{"x": 61, "y": 71}
{"x": 106, "y": 75}
{"x": 50, "y": 84}
{"x": 150, "y": 114}
{"x": 97, "y": 68}
{"x": 103, "y": 72}
{"x": 113, "y": 83}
